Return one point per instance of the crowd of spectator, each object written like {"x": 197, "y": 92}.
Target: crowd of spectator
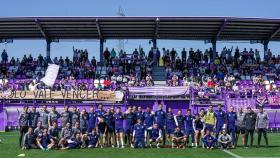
{"x": 205, "y": 72}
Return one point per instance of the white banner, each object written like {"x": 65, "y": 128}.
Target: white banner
{"x": 50, "y": 75}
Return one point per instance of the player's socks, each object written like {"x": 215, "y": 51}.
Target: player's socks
{"x": 172, "y": 145}
{"x": 158, "y": 145}
{"x": 122, "y": 143}
{"x": 118, "y": 144}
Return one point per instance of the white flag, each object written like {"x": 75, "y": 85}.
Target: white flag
{"x": 50, "y": 75}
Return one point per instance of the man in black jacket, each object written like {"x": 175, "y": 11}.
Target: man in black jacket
{"x": 250, "y": 122}
{"x": 24, "y": 119}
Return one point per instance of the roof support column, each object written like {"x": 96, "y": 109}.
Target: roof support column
{"x": 154, "y": 43}
{"x": 265, "y": 47}
{"x": 48, "y": 50}
{"x": 154, "y": 40}
{"x": 101, "y": 50}
{"x": 214, "y": 48}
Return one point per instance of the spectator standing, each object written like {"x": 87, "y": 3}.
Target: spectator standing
{"x": 106, "y": 55}
{"x": 184, "y": 55}
{"x": 113, "y": 54}
{"x": 173, "y": 54}
{"x": 4, "y": 56}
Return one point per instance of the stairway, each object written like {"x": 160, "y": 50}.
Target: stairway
{"x": 158, "y": 73}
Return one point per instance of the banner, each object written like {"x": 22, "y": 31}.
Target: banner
{"x": 158, "y": 91}
{"x": 50, "y": 75}
{"x": 79, "y": 95}
{"x": 274, "y": 100}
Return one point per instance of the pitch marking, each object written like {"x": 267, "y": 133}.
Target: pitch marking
{"x": 232, "y": 154}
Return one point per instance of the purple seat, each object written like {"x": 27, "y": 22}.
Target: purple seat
{"x": 15, "y": 87}
{"x": 10, "y": 81}
{"x": 90, "y": 81}
{"x": 181, "y": 82}
{"x": 113, "y": 86}
{"x": 250, "y": 82}
{"x": 79, "y": 81}
{"x": 90, "y": 87}
{"x": 84, "y": 81}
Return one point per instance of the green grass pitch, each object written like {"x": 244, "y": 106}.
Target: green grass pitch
{"x": 9, "y": 149}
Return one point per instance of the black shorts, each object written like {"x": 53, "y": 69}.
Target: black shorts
{"x": 240, "y": 130}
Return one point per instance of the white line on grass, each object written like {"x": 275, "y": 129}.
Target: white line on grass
{"x": 232, "y": 154}
{"x": 8, "y": 135}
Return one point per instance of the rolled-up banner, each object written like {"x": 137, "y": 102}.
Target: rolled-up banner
{"x": 50, "y": 75}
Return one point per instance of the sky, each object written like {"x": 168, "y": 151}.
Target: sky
{"x": 236, "y": 8}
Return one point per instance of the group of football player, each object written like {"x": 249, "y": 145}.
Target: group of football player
{"x": 137, "y": 128}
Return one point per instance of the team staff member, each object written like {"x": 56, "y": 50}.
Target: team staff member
{"x": 53, "y": 116}
{"x": 262, "y": 125}
{"x": 209, "y": 140}
{"x": 210, "y": 119}
{"x": 44, "y": 114}
{"x": 76, "y": 129}
{"x": 29, "y": 140}
{"x": 179, "y": 139}
{"x": 160, "y": 120}
{"x": 170, "y": 125}
{"x": 224, "y": 139}
{"x": 34, "y": 117}
{"x": 231, "y": 120}
{"x": 100, "y": 112}
{"x": 84, "y": 121}
{"x": 92, "y": 139}
{"x": 102, "y": 130}
{"x": 189, "y": 126}
{"x": 66, "y": 134}
{"x": 156, "y": 136}
{"x": 139, "y": 134}
{"x": 65, "y": 116}
{"x": 75, "y": 116}
{"x": 240, "y": 126}
{"x": 108, "y": 118}
{"x": 24, "y": 118}
{"x": 139, "y": 114}
{"x": 198, "y": 127}
{"x": 220, "y": 120}
{"x": 45, "y": 141}
{"x": 54, "y": 133}
{"x": 38, "y": 130}
{"x": 180, "y": 121}
{"x": 129, "y": 125}
{"x": 148, "y": 122}
{"x": 118, "y": 117}
{"x": 91, "y": 120}
{"x": 74, "y": 143}
{"x": 250, "y": 122}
